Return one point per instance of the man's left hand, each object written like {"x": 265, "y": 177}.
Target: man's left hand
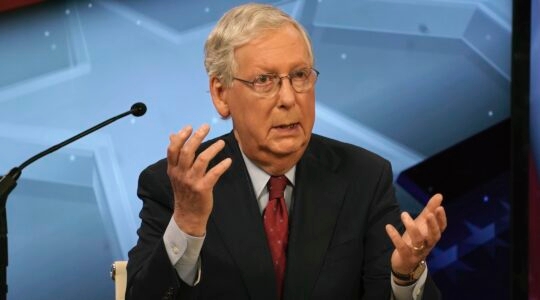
{"x": 421, "y": 235}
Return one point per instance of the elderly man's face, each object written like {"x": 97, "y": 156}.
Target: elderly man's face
{"x": 276, "y": 129}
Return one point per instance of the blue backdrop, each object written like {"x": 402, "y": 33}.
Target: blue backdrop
{"x": 405, "y": 79}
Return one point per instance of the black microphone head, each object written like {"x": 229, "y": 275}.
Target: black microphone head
{"x": 138, "y": 109}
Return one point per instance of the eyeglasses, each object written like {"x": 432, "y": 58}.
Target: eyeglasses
{"x": 301, "y": 80}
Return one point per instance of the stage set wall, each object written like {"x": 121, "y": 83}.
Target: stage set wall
{"x": 414, "y": 81}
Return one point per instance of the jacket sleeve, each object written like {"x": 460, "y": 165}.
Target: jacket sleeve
{"x": 150, "y": 272}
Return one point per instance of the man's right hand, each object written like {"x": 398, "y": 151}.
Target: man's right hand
{"x": 192, "y": 184}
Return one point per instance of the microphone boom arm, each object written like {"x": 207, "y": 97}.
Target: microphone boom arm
{"x": 9, "y": 181}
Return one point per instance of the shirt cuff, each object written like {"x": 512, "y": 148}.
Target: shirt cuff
{"x": 413, "y": 291}
{"x": 184, "y": 252}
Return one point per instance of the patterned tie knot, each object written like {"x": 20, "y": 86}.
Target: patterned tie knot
{"x": 276, "y": 186}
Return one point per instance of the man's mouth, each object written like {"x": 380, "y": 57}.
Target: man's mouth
{"x": 287, "y": 126}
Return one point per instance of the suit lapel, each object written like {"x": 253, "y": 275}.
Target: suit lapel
{"x": 237, "y": 218}
{"x": 317, "y": 202}
{"x": 318, "y": 197}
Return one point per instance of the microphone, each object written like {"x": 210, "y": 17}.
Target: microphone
{"x": 138, "y": 109}
{"x": 9, "y": 181}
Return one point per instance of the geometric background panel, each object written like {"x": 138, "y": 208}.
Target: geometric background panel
{"x": 58, "y": 243}
{"x": 41, "y": 46}
{"x": 378, "y": 61}
{"x": 475, "y": 184}
{"x": 406, "y": 79}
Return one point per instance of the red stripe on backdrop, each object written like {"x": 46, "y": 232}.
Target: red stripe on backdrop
{"x": 534, "y": 232}
{"x": 13, "y": 4}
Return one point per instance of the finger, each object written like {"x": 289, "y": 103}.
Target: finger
{"x": 201, "y": 162}
{"x": 434, "y": 232}
{"x": 187, "y": 153}
{"x": 212, "y": 176}
{"x": 176, "y": 143}
{"x": 432, "y": 204}
{"x": 414, "y": 233}
{"x": 440, "y": 215}
{"x": 396, "y": 239}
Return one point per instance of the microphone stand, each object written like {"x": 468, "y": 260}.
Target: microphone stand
{"x": 9, "y": 181}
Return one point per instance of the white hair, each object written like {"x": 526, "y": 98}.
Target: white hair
{"x": 236, "y": 28}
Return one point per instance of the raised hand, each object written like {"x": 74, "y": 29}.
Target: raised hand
{"x": 421, "y": 235}
{"x": 191, "y": 182}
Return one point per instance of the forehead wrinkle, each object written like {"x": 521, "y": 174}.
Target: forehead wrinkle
{"x": 267, "y": 61}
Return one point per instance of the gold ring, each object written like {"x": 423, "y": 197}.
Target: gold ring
{"x": 419, "y": 248}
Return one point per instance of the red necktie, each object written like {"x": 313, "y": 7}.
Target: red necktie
{"x": 276, "y": 225}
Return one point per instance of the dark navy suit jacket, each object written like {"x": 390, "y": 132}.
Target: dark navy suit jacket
{"x": 338, "y": 247}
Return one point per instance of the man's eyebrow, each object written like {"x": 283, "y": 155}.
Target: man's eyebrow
{"x": 271, "y": 71}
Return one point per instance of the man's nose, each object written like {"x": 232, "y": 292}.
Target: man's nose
{"x": 287, "y": 94}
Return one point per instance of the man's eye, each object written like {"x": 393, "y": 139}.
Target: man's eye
{"x": 263, "y": 79}
{"x": 300, "y": 74}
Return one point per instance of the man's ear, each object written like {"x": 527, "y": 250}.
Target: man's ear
{"x": 219, "y": 97}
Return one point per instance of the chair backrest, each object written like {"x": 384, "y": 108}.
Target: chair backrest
{"x": 119, "y": 276}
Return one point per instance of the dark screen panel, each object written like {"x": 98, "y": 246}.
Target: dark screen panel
{"x": 534, "y": 180}
{"x": 521, "y": 150}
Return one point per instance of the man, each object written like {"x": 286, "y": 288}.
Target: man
{"x": 212, "y": 230}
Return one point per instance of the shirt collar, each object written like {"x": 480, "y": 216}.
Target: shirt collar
{"x": 259, "y": 178}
